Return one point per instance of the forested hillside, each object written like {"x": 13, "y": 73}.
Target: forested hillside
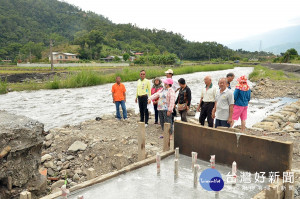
{"x": 28, "y": 25}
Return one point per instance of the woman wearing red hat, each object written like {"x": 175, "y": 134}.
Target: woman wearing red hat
{"x": 242, "y": 95}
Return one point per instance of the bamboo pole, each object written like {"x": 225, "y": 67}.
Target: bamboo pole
{"x": 166, "y": 146}
{"x": 141, "y": 141}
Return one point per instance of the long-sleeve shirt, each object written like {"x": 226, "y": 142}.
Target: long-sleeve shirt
{"x": 184, "y": 96}
{"x": 153, "y": 91}
{"x": 143, "y": 88}
{"x": 166, "y": 99}
{"x": 241, "y": 98}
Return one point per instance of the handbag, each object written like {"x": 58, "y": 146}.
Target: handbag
{"x": 182, "y": 107}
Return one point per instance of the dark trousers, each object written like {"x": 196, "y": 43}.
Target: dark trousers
{"x": 156, "y": 113}
{"x": 206, "y": 110}
{"x": 221, "y": 123}
{"x": 164, "y": 118}
{"x": 144, "y": 115}
{"x": 183, "y": 115}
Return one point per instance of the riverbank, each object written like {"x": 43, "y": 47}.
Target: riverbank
{"x": 108, "y": 145}
{"x": 83, "y": 77}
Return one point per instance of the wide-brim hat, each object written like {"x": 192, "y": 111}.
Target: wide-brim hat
{"x": 153, "y": 81}
{"x": 169, "y": 71}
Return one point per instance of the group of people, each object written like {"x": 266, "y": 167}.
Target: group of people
{"x": 216, "y": 102}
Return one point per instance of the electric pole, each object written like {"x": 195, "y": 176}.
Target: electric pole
{"x": 51, "y": 55}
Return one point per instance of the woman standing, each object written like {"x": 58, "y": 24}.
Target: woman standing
{"x": 184, "y": 99}
{"x": 155, "y": 88}
{"x": 242, "y": 95}
{"x": 166, "y": 103}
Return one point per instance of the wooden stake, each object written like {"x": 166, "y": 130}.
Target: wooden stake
{"x": 158, "y": 158}
{"x": 9, "y": 183}
{"x": 25, "y": 195}
{"x": 194, "y": 159}
{"x": 141, "y": 141}
{"x": 177, "y": 153}
{"x": 196, "y": 169}
{"x": 166, "y": 146}
{"x": 176, "y": 168}
{"x": 90, "y": 173}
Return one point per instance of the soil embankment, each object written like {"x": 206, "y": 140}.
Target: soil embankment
{"x": 294, "y": 68}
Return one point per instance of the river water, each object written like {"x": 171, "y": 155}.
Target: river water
{"x": 56, "y": 108}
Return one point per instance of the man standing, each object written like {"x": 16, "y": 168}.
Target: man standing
{"x": 229, "y": 77}
{"x": 207, "y": 102}
{"x": 169, "y": 74}
{"x": 184, "y": 99}
{"x": 119, "y": 97}
{"x": 142, "y": 94}
{"x": 224, "y": 105}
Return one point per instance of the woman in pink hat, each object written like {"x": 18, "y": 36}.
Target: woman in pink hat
{"x": 166, "y": 103}
{"x": 242, "y": 95}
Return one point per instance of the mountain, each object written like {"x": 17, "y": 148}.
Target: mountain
{"x": 275, "y": 41}
{"x": 28, "y": 25}
{"x": 283, "y": 48}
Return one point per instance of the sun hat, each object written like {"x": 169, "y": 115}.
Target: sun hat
{"x": 169, "y": 71}
{"x": 157, "y": 78}
{"x": 168, "y": 81}
{"x": 242, "y": 83}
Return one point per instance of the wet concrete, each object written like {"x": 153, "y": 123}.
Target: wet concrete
{"x": 145, "y": 183}
{"x": 56, "y": 108}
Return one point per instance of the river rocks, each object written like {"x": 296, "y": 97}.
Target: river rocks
{"x": 265, "y": 88}
{"x": 297, "y": 126}
{"x": 76, "y": 146}
{"x": 267, "y": 126}
{"x": 286, "y": 119}
{"x": 46, "y": 157}
{"x": 24, "y": 137}
{"x": 49, "y": 164}
{"x": 76, "y": 177}
{"x": 57, "y": 184}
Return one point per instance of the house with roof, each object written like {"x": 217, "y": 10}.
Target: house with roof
{"x": 59, "y": 57}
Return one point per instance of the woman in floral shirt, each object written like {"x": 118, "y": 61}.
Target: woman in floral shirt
{"x": 155, "y": 88}
{"x": 166, "y": 103}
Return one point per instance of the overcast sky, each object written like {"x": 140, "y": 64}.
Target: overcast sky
{"x": 223, "y": 21}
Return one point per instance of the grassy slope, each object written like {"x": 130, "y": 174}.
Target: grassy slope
{"x": 264, "y": 72}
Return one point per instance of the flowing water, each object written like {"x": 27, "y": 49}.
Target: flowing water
{"x": 56, "y": 108}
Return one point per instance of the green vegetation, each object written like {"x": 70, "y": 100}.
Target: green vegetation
{"x": 27, "y": 26}
{"x": 290, "y": 56}
{"x": 260, "y": 72}
{"x": 3, "y": 87}
{"x": 88, "y": 77}
{"x": 167, "y": 59}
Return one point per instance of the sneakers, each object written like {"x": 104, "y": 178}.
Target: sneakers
{"x": 155, "y": 122}
{"x": 146, "y": 125}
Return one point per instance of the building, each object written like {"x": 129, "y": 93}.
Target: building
{"x": 59, "y": 57}
{"x": 112, "y": 58}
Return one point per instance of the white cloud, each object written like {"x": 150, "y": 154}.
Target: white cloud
{"x": 199, "y": 20}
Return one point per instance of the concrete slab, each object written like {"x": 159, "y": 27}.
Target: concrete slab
{"x": 145, "y": 183}
{"x": 251, "y": 153}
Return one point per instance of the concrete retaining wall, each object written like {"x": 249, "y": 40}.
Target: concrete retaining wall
{"x": 253, "y": 154}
